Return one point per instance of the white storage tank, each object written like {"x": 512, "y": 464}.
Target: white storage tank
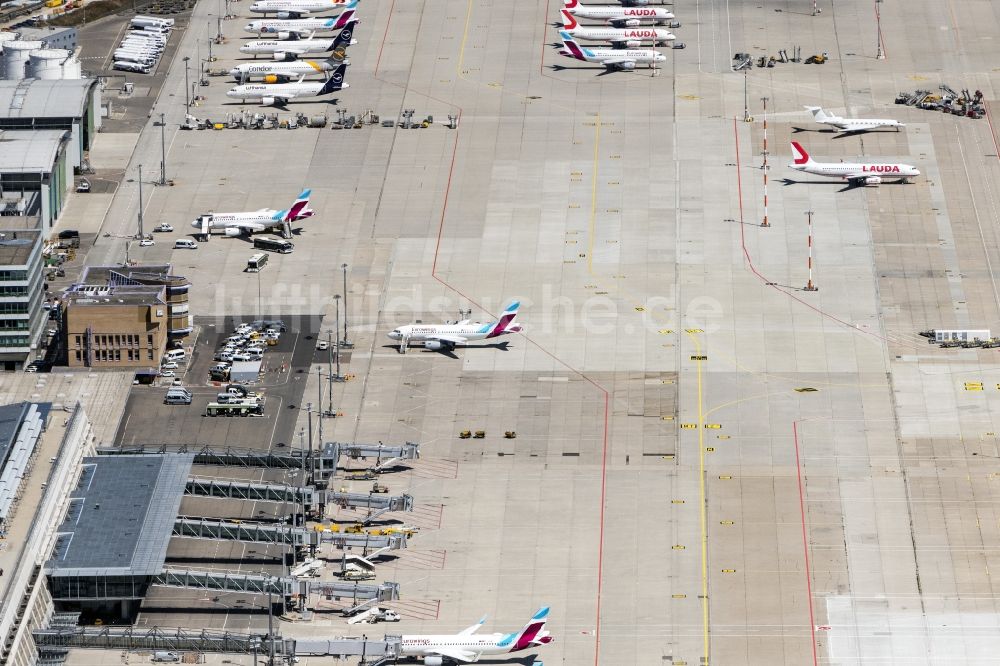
{"x": 47, "y": 64}
{"x": 4, "y": 38}
{"x": 15, "y": 58}
{"x": 71, "y": 68}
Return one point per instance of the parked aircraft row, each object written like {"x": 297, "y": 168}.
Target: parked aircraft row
{"x": 625, "y": 30}
{"x": 284, "y": 78}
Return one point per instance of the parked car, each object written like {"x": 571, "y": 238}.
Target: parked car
{"x": 164, "y": 227}
{"x": 169, "y": 365}
{"x": 167, "y": 373}
{"x": 146, "y": 242}
{"x": 68, "y": 233}
{"x": 322, "y": 345}
{"x": 83, "y": 185}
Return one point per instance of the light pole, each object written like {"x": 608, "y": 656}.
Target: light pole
{"x": 879, "y": 53}
{"x": 163, "y": 150}
{"x": 746, "y": 100}
{"x": 187, "y": 89}
{"x": 140, "y": 201}
{"x": 337, "y": 377}
{"x": 344, "y": 342}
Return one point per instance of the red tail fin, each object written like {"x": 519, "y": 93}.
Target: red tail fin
{"x": 800, "y": 154}
{"x": 569, "y": 21}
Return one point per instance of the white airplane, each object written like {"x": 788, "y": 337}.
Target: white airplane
{"x": 283, "y": 72}
{"x": 290, "y": 49}
{"x": 284, "y": 28}
{"x": 619, "y": 37}
{"x": 852, "y": 124}
{"x": 624, "y": 59}
{"x": 446, "y": 337}
{"x": 287, "y": 9}
{"x": 280, "y": 94}
{"x": 466, "y": 646}
{"x": 237, "y": 224}
{"x": 857, "y": 173}
{"x": 619, "y": 16}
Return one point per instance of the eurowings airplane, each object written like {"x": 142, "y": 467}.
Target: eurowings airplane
{"x": 287, "y": 9}
{"x": 624, "y": 59}
{"x": 283, "y": 72}
{"x": 852, "y": 124}
{"x": 857, "y": 173}
{"x": 286, "y": 28}
{"x": 467, "y": 646}
{"x": 279, "y": 94}
{"x": 237, "y": 224}
{"x": 438, "y": 337}
{"x": 619, "y": 37}
{"x": 619, "y": 16}
{"x": 289, "y": 49}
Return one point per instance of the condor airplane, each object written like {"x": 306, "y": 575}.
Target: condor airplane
{"x": 279, "y": 94}
{"x": 466, "y": 646}
{"x": 292, "y": 48}
{"x": 286, "y": 28}
{"x": 445, "y": 337}
{"x": 287, "y": 9}
{"x": 852, "y": 124}
{"x": 857, "y": 173}
{"x": 283, "y": 72}
{"x": 624, "y": 59}
{"x": 619, "y": 37}
{"x": 619, "y": 16}
{"x": 237, "y": 224}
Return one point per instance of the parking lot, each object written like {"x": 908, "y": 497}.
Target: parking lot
{"x": 148, "y": 421}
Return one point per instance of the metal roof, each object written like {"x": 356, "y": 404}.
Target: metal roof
{"x": 16, "y": 245}
{"x": 121, "y": 516}
{"x": 40, "y": 98}
{"x": 10, "y": 422}
{"x": 30, "y": 151}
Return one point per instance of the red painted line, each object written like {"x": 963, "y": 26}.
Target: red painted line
{"x": 581, "y": 374}
{"x": 384, "y": 36}
{"x": 881, "y": 36}
{"x": 770, "y": 283}
{"x": 805, "y": 541}
{"x": 993, "y": 133}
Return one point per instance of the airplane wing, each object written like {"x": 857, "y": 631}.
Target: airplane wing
{"x": 623, "y": 63}
{"x": 453, "y": 339}
{"x": 455, "y": 654}
{"x": 471, "y": 630}
{"x": 851, "y": 127}
{"x": 248, "y": 226}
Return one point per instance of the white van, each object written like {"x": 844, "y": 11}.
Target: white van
{"x": 175, "y": 355}
{"x": 185, "y": 244}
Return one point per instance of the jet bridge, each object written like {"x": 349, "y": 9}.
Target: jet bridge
{"x": 253, "y": 532}
{"x": 358, "y": 594}
{"x": 324, "y": 462}
{"x": 311, "y": 499}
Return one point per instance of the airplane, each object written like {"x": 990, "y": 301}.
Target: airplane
{"x": 620, "y": 17}
{"x": 237, "y": 224}
{"x": 290, "y": 9}
{"x": 280, "y": 93}
{"x": 465, "y": 646}
{"x": 285, "y": 29}
{"x": 445, "y": 337}
{"x": 852, "y": 124}
{"x": 624, "y": 59}
{"x": 290, "y": 49}
{"x": 619, "y": 37}
{"x": 857, "y": 173}
{"x": 283, "y": 72}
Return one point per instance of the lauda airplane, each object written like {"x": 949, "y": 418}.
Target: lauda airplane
{"x": 857, "y": 173}
{"x": 619, "y": 16}
{"x": 619, "y": 37}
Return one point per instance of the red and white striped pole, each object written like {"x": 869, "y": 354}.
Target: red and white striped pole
{"x": 809, "y": 285}
{"x": 765, "y": 223}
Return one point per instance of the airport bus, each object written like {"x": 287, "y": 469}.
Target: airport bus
{"x": 257, "y": 262}
{"x": 272, "y": 244}
{"x": 241, "y": 409}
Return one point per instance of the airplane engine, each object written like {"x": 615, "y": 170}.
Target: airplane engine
{"x": 287, "y": 15}
{"x": 233, "y": 231}
{"x": 271, "y": 78}
{"x": 873, "y": 180}
{"x": 631, "y": 23}
{"x": 267, "y": 101}
{"x": 284, "y": 56}
{"x": 633, "y": 44}
{"x": 433, "y": 345}
{"x": 627, "y": 66}
{"x": 284, "y": 35}
{"x": 433, "y": 661}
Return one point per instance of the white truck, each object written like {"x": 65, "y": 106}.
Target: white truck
{"x": 373, "y": 615}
